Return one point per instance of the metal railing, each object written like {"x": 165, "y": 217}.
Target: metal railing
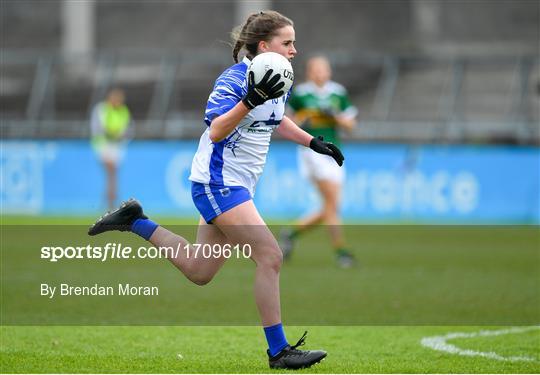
{"x": 400, "y": 98}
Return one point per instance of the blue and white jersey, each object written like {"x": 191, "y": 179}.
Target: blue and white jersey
{"x": 239, "y": 159}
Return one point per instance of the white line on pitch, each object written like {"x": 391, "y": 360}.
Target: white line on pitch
{"x": 439, "y": 343}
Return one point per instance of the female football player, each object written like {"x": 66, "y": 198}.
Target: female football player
{"x": 322, "y": 107}
{"x": 225, "y": 170}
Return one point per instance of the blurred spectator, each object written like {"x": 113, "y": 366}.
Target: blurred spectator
{"x": 322, "y": 107}
{"x": 110, "y": 124}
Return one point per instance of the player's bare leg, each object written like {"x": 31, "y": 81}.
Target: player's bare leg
{"x": 112, "y": 183}
{"x": 196, "y": 268}
{"x": 239, "y": 225}
{"x": 243, "y": 225}
{"x": 130, "y": 217}
{"x": 330, "y": 191}
{"x": 310, "y": 221}
{"x": 287, "y": 235}
{"x": 328, "y": 214}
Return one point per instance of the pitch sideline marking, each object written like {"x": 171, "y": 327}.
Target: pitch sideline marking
{"x": 439, "y": 343}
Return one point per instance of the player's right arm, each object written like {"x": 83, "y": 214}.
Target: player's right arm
{"x": 223, "y": 125}
{"x": 257, "y": 94}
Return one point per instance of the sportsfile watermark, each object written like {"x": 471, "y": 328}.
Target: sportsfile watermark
{"x": 402, "y": 275}
{"x": 119, "y": 251}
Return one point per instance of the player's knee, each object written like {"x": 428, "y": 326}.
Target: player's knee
{"x": 201, "y": 279}
{"x": 329, "y": 213}
{"x": 276, "y": 261}
{"x": 273, "y": 259}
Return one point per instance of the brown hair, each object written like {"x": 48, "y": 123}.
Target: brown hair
{"x": 258, "y": 26}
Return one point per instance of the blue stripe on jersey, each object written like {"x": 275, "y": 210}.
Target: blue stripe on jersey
{"x": 216, "y": 164}
{"x": 228, "y": 90}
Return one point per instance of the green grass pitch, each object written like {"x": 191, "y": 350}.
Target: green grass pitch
{"x": 241, "y": 350}
{"x": 412, "y": 283}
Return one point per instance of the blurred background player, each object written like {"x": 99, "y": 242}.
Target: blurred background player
{"x": 110, "y": 122}
{"x": 322, "y": 107}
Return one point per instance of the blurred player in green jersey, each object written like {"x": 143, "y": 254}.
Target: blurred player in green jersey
{"x": 322, "y": 107}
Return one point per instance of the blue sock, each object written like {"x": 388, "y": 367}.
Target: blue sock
{"x": 144, "y": 228}
{"x": 276, "y": 338}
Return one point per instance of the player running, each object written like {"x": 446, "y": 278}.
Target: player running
{"x": 322, "y": 107}
{"x": 240, "y": 118}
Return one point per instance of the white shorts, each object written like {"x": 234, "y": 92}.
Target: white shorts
{"x": 316, "y": 167}
{"x": 110, "y": 152}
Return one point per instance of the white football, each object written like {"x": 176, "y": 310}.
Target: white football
{"x": 279, "y": 64}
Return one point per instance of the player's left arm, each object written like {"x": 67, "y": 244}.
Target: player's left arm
{"x": 292, "y": 132}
